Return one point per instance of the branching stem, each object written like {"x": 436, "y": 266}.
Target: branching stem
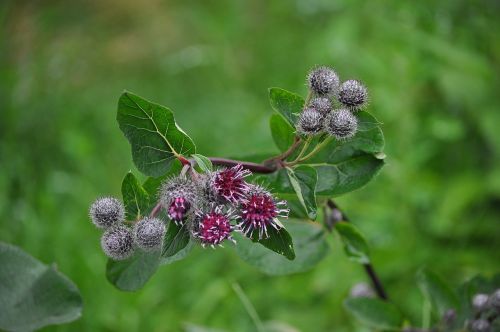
{"x": 265, "y": 169}
{"x": 338, "y": 215}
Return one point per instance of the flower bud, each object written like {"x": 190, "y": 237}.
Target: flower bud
{"x": 362, "y": 289}
{"x": 310, "y": 122}
{"x": 323, "y": 81}
{"x": 495, "y": 300}
{"x": 149, "y": 233}
{"x": 322, "y": 105}
{"x": 259, "y": 211}
{"x": 178, "y": 196}
{"x": 117, "y": 243}
{"x": 353, "y": 94}
{"x": 480, "y": 325}
{"x": 212, "y": 227}
{"x": 341, "y": 124}
{"x": 106, "y": 212}
{"x": 229, "y": 183}
{"x": 449, "y": 317}
{"x": 480, "y": 302}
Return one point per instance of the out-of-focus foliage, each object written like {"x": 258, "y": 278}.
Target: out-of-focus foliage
{"x": 432, "y": 69}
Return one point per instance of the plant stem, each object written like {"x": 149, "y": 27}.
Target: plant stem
{"x": 249, "y": 307}
{"x": 316, "y": 149}
{"x": 155, "y": 210}
{"x": 254, "y": 167}
{"x": 308, "y": 98}
{"x": 290, "y": 150}
{"x": 338, "y": 215}
{"x": 304, "y": 148}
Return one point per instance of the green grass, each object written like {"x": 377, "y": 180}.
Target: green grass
{"x": 432, "y": 71}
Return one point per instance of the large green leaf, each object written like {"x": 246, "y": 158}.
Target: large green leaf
{"x": 310, "y": 248}
{"x": 437, "y": 291}
{"x": 151, "y": 129}
{"x": 375, "y": 313}
{"x": 282, "y": 132}
{"x": 355, "y": 245}
{"x": 278, "y": 241}
{"x": 133, "y": 273}
{"x": 32, "y": 294}
{"x": 344, "y": 166}
{"x": 346, "y": 176}
{"x": 176, "y": 239}
{"x": 303, "y": 180}
{"x": 135, "y": 197}
{"x": 286, "y": 103}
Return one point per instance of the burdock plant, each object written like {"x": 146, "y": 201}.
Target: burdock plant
{"x": 275, "y": 213}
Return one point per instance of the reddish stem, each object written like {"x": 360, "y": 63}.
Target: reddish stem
{"x": 155, "y": 210}
{"x": 254, "y": 167}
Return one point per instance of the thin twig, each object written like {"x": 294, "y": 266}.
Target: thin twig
{"x": 249, "y": 307}
{"x": 370, "y": 271}
{"x": 291, "y": 149}
{"x": 254, "y": 167}
{"x": 155, "y": 210}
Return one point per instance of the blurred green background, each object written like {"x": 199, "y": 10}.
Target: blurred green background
{"x": 432, "y": 69}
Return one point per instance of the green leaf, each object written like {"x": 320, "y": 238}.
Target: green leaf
{"x": 135, "y": 197}
{"x": 32, "y": 294}
{"x": 282, "y": 132}
{"x": 203, "y": 162}
{"x": 286, "y": 103}
{"x": 355, "y": 245}
{"x": 346, "y": 176}
{"x": 153, "y": 134}
{"x": 310, "y": 248}
{"x": 176, "y": 239}
{"x": 278, "y": 241}
{"x": 133, "y": 273}
{"x": 437, "y": 292}
{"x": 278, "y": 182}
{"x": 303, "y": 180}
{"x": 375, "y": 313}
{"x": 179, "y": 255}
{"x": 152, "y": 184}
{"x": 344, "y": 166}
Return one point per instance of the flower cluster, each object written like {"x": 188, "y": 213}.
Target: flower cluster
{"x": 332, "y": 105}
{"x": 118, "y": 240}
{"x": 211, "y": 206}
{"x": 216, "y": 204}
{"x": 486, "y": 310}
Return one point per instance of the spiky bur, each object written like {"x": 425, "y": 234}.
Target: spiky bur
{"x": 149, "y": 233}
{"x": 259, "y": 211}
{"x": 322, "y": 105}
{"x": 353, "y": 94}
{"x": 106, "y": 212}
{"x": 310, "y": 122}
{"x": 341, "y": 124}
{"x": 449, "y": 317}
{"x": 117, "y": 243}
{"x": 480, "y": 325}
{"x": 494, "y": 301}
{"x": 323, "y": 81}
{"x": 480, "y": 302}
{"x": 229, "y": 183}
{"x": 178, "y": 196}
{"x": 212, "y": 227}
